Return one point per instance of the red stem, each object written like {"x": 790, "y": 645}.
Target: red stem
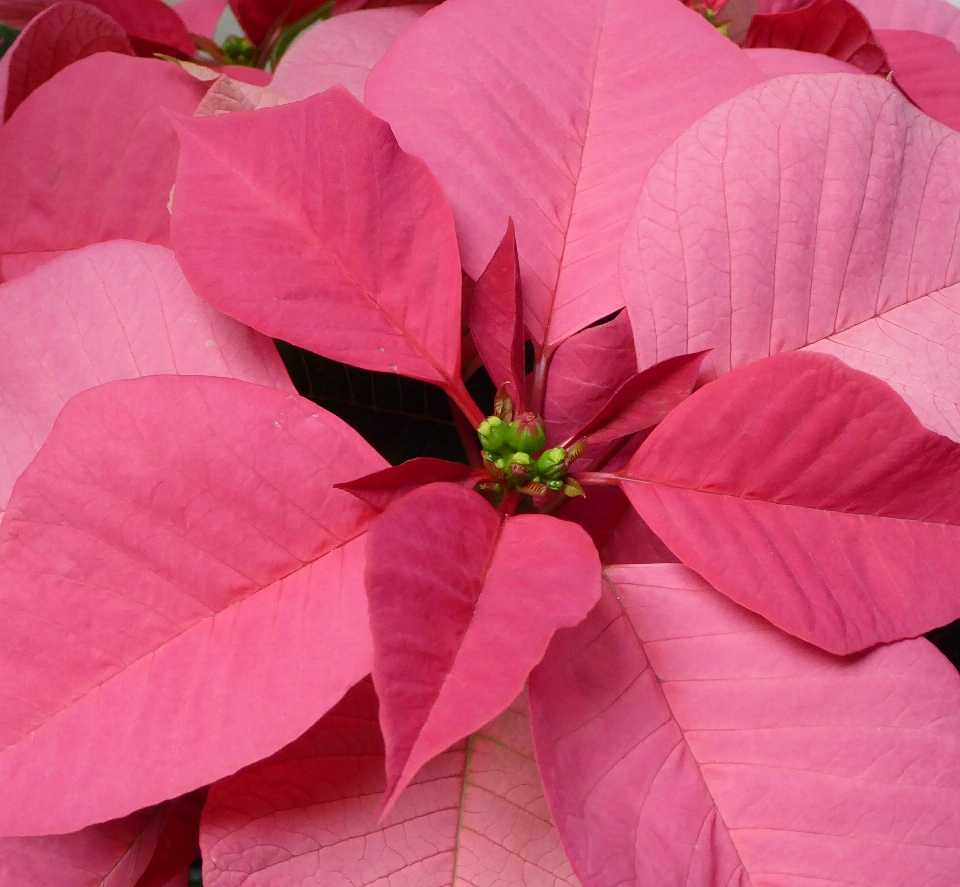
{"x": 468, "y": 437}
{"x": 509, "y": 503}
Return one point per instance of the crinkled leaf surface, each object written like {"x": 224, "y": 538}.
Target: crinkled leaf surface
{"x": 585, "y": 371}
{"x": 801, "y": 475}
{"x": 201, "y": 16}
{"x": 932, "y": 16}
{"x": 804, "y": 213}
{"x": 927, "y": 69}
{"x": 109, "y": 311}
{"x": 178, "y": 553}
{"x": 110, "y": 854}
{"x": 495, "y": 318}
{"x": 341, "y": 51}
{"x": 475, "y": 815}
{"x": 227, "y": 95}
{"x": 684, "y": 742}
{"x": 178, "y": 844}
{"x": 336, "y": 239}
{"x": 553, "y": 121}
{"x": 828, "y": 27}
{"x": 91, "y": 156}
{"x": 59, "y": 36}
{"x": 463, "y": 603}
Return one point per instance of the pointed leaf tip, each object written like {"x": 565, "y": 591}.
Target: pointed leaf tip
{"x": 355, "y": 257}
{"x": 460, "y": 616}
{"x": 801, "y": 474}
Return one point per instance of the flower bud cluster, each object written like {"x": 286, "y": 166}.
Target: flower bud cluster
{"x": 515, "y": 456}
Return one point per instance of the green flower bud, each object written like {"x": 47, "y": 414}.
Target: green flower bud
{"x": 555, "y": 485}
{"x": 521, "y": 459}
{"x": 527, "y": 433}
{"x": 493, "y": 434}
{"x": 552, "y": 463}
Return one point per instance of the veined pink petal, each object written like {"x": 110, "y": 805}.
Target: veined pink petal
{"x": 341, "y": 51}
{"x": 59, "y": 36}
{"x": 792, "y": 215}
{"x": 195, "y": 584}
{"x": 685, "y": 742}
{"x": 475, "y": 814}
{"x": 555, "y": 128}
{"x": 109, "y": 147}
{"x": 799, "y": 474}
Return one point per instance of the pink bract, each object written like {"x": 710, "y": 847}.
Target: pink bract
{"x": 238, "y": 544}
{"x": 459, "y": 620}
{"x": 59, "y": 36}
{"x": 683, "y": 740}
{"x": 475, "y": 814}
{"x": 783, "y": 221}
{"x": 559, "y": 135}
{"x": 111, "y": 150}
{"x": 342, "y": 51}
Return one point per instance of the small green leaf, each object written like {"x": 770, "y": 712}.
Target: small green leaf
{"x": 289, "y": 34}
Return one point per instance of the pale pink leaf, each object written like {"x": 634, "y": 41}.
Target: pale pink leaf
{"x": 227, "y": 95}
{"x": 585, "y": 371}
{"x": 353, "y": 257}
{"x": 778, "y": 62}
{"x": 110, "y": 311}
{"x": 937, "y": 17}
{"x": 475, "y": 815}
{"x": 684, "y": 742}
{"x": 98, "y": 129}
{"x": 802, "y": 208}
{"x": 59, "y": 36}
{"x": 178, "y": 554}
{"x": 110, "y": 854}
{"x": 555, "y": 128}
{"x": 927, "y": 69}
{"x": 178, "y": 844}
{"x": 341, "y": 51}
{"x": 495, "y": 318}
{"x": 834, "y": 28}
{"x": 201, "y": 16}
{"x": 800, "y": 474}
{"x": 463, "y": 602}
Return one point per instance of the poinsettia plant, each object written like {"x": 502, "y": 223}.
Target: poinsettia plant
{"x": 660, "y": 625}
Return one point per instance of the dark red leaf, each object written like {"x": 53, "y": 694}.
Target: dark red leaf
{"x": 584, "y": 373}
{"x": 643, "y": 400}
{"x": 809, "y": 493}
{"x": 495, "y": 317}
{"x": 200, "y": 16}
{"x": 927, "y": 70}
{"x": 258, "y": 17}
{"x": 462, "y": 605}
{"x": 179, "y": 842}
{"x": 383, "y": 487}
{"x": 59, "y": 36}
{"x": 151, "y": 25}
{"x": 110, "y": 854}
{"x": 829, "y": 27}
